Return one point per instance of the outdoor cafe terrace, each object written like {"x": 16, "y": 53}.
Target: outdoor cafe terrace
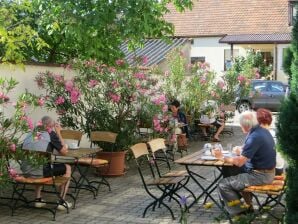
{"x": 127, "y": 200}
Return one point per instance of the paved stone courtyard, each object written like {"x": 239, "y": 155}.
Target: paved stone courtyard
{"x": 126, "y": 201}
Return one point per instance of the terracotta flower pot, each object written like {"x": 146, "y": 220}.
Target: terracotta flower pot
{"x": 116, "y": 166}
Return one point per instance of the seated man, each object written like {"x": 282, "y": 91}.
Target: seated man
{"x": 257, "y": 158}
{"x": 212, "y": 116}
{"x": 48, "y": 141}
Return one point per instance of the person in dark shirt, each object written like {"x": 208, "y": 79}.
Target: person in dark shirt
{"x": 258, "y": 158}
{"x": 50, "y": 140}
{"x": 180, "y": 116}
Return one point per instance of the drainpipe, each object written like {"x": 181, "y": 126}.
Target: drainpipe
{"x": 232, "y": 52}
{"x": 275, "y": 61}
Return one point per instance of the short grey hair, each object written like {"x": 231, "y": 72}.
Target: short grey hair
{"x": 46, "y": 120}
{"x": 248, "y": 119}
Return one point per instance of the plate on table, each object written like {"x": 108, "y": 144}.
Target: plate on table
{"x": 208, "y": 158}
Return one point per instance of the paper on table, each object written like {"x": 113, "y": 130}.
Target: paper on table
{"x": 208, "y": 158}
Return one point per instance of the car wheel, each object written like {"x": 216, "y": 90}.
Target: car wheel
{"x": 243, "y": 106}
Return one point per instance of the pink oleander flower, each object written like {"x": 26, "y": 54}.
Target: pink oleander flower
{"x": 74, "y": 96}
{"x": 69, "y": 85}
{"x": 60, "y": 100}
{"x": 12, "y": 147}
{"x": 28, "y": 121}
{"x": 4, "y": 97}
{"x": 112, "y": 69}
{"x": 59, "y": 78}
{"x": 12, "y": 173}
{"x": 140, "y": 75}
{"x": 115, "y": 84}
{"x": 41, "y": 101}
{"x": 203, "y": 80}
{"x": 92, "y": 83}
{"x": 167, "y": 73}
{"x": 120, "y": 62}
{"x": 241, "y": 79}
{"x": 221, "y": 84}
{"x": 114, "y": 97}
{"x": 145, "y": 60}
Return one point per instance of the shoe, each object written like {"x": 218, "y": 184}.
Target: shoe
{"x": 39, "y": 203}
{"x": 248, "y": 211}
{"x": 215, "y": 140}
{"x": 63, "y": 205}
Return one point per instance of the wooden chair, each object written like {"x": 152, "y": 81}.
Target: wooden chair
{"x": 83, "y": 165}
{"x": 106, "y": 140}
{"x": 229, "y": 110}
{"x": 273, "y": 192}
{"x": 72, "y": 135}
{"x": 21, "y": 182}
{"x": 158, "y": 146}
{"x": 167, "y": 186}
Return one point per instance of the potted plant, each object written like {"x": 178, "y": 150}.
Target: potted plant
{"x": 101, "y": 98}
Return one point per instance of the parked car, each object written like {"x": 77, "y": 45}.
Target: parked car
{"x": 263, "y": 94}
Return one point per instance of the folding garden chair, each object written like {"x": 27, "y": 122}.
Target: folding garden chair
{"x": 166, "y": 186}
{"x": 158, "y": 146}
{"x": 21, "y": 182}
{"x": 273, "y": 193}
{"x": 84, "y": 164}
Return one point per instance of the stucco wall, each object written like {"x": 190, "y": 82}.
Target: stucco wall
{"x": 25, "y": 76}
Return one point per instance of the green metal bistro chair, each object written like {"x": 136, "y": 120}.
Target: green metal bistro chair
{"x": 167, "y": 186}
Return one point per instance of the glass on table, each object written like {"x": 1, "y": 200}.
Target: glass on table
{"x": 217, "y": 151}
{"x": 229, "y": 147}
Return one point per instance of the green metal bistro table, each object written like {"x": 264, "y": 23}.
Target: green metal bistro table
{"x": 72, "y": 157}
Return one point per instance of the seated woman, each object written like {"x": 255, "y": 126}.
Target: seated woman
{"x": 179, "y": 116}
{"x": 212, "y": 116}
{"x": 265, "y": 119}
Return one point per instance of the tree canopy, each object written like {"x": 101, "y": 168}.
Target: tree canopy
{"x": 56, "y": 31}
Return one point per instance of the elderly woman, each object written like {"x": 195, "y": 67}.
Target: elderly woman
{"x": 258, "y": 155}
{"x": 265, "y": 119}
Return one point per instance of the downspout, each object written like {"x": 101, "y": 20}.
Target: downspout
{"x": 232, "y": 52}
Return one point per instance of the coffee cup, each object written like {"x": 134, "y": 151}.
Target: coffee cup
{"x": 73, "y": 145}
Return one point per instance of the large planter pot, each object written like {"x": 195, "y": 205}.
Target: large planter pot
{"x": 116, "y": 163}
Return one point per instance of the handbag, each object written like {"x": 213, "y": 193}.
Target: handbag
{"x": 182, "y": 141}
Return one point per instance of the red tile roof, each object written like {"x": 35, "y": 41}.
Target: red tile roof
{"x": 232, "y": 17}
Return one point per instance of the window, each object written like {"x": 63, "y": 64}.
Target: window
{"x": 293, "y": 4}
{"x": 227, "y": 58}
{"x": 268, "y": 59}
{"x": 276, "y": 87}
{"x": 194, "y": 60}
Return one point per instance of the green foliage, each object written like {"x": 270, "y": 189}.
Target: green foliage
{"x": 17, "y": 36}
{"x": 175, "y": 77}
{"x": 79, "y": 29}
{"x": 287, "y": 133}
{"x": 252, "y": 66}
{"x": 287, "y": 61}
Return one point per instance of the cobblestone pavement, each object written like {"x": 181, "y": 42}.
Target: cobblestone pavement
{"x": 126, "y": 202}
